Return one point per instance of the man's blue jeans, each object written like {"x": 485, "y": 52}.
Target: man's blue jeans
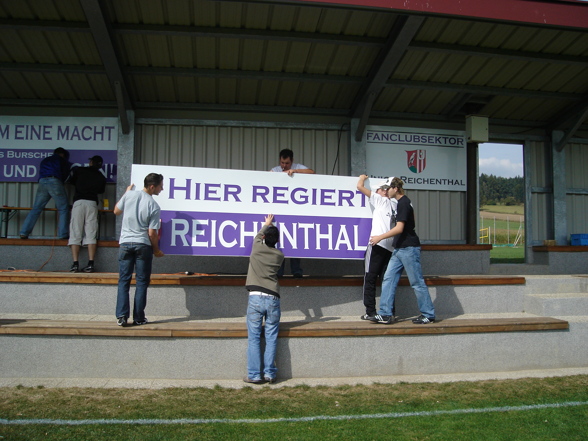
{"x": 133, "y": 256}
{"x": 408, "y": 259}
{"x": 261, "y": 307}
{"x": 49, "y": 188}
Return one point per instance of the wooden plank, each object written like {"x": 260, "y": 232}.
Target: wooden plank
{"x": 239, "y": 280}
{"x": 52, "y": 242}
{"x": 195, "y": 329}
{"x": 561, "y": 249}
{"x": 455, "y": 247}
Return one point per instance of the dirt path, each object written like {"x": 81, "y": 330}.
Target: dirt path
{"x": 501, "y": 216}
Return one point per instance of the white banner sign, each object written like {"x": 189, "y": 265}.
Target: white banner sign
{"x": 216, "y": 212}
{"x": 26, "y": 140}
{"x": 424, "y": 159}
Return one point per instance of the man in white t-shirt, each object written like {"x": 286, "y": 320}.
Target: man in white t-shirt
{"x": 139, "y": 242}
{"x": 287, "y": 165}
{"x": 377, "y": 256}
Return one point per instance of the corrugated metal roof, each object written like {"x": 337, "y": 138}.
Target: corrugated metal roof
{"x": 291, "y": 59}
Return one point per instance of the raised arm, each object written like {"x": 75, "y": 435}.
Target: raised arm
{"x": 117, "y": 210}
{"x": 361, "y": 185}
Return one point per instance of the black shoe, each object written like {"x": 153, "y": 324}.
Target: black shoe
{"x": 75, "y": 268}
{"x": 140, "y": 322}
{"x": 269, "y": 380}
{"x": 366, "y": 316}
{"x": 422, "y": 320}
{"x": 249, "y": 380}
{"x": 383, "y": 319}
{"x": 121, "y": 321}
{"x": 89, "y": 269}
{"x": 297, "y": 275}
{"x": 22, "y": 236}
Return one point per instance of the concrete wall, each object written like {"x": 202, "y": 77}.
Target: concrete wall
{"x": 59, "y": 259}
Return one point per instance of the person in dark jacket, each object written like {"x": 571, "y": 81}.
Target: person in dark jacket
{"x": 54, "y": 170}
{"x": 89, "y": 182}
{"x": 264, "y": 303}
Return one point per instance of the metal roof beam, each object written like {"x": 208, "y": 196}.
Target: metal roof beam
{"x": 244, "y": 74}
{"x": 252, "y": 34}
{"x": 477, "y": 92}
{"x": 104, "y": 44}
{"x": 456, "y": 104}
{"x": 403, "y": 116}
{"x": 196, "y": 31}
{"x": 579, "y": 116}
{"x": 562, "y": 120}
{"x": 481, "y": 90}
{"x": 52, "y": 68}
{"x": 476, "y": 51}
{"x": 44, "y": 25}
{"x": 182, "y": 72}
{"x": 400, "y": 37}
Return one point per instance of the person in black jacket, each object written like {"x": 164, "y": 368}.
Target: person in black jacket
{"x": 89, "y": 182}
{"x": 406, "y": 256}
{"x": 264, "y": 303}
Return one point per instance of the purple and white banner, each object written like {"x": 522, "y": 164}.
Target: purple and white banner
{"x": 26, "y": 140}
{"x": 216, "y": 212}
{"x": 425, "y": 159}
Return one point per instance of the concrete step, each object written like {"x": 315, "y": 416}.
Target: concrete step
{"x": 517, "y": 269}
{"x": 198, "y": 329}
{"x": 210, "y": 297}
{"x": 320, "y": 349}
{"x": 560, "y": 304}
{"x": 55, "y": 255}
{"x": 556, "y": 284}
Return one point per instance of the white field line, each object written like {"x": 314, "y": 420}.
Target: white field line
{"x": 291, "y": 420}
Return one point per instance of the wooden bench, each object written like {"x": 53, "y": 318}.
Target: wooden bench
{"x": 182, "y": 279}
{"x": 336, "y": 328}
{"x": 561, "y": 248}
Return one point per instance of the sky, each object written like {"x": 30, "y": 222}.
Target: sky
{"x": 505, "y": 160}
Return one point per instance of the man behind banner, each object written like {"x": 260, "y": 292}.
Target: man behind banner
{"x": 139, "y": 242}
{"x": 264, "y": 303}
{"x": 53, "y": 172}
{"x": 287, "y": 165}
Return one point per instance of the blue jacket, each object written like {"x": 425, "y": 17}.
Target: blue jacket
{"x": 54, "y": 166}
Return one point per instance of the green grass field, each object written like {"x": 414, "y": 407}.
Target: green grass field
{"x": 507, "y": 255}
{"x": 503, "y": 232}
{"x": 525, "y": 409}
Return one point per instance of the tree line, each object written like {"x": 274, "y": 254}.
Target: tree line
{"x": 498, "y": 190}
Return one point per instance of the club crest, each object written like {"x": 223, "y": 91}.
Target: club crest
{"x": 416, "y": 160}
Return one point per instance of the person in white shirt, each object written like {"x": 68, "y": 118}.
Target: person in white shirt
{"x": 376, "y": 256}
{"x": 287, "y": 164}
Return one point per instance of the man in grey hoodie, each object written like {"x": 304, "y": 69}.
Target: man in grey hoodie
{"x": 264, "y": 303}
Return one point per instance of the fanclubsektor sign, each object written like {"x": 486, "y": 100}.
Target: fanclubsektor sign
{"x": 424, "y": 159}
